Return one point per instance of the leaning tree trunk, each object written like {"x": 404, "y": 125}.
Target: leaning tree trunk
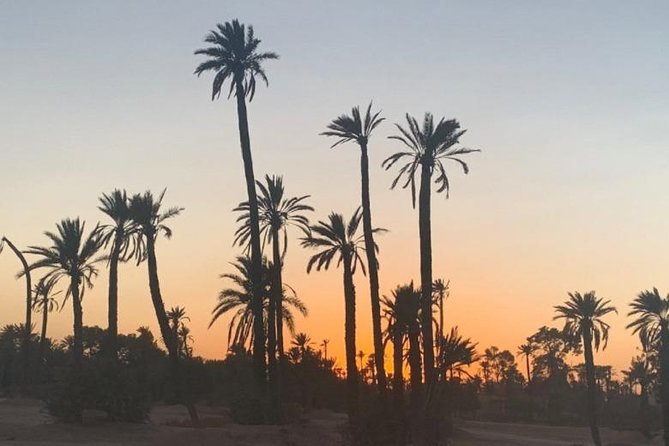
{"x": 349, "y": 338}
{"x": 373, "y": 267}
{"x": 664, "y": 383}
{"x": 256, "y": 253}
{"x": 273, "y": 317}
{"x": 112, "y": 311}
{"x": 26, "y": 336}
{"x": 170, "y": 340}
{"x": 592, "y": 387}
{"x": 425, "y": 232}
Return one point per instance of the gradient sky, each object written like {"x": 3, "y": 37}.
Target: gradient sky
{"x": 568, "y": 101}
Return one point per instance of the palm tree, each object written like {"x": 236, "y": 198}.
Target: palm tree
{"x": 183, "y": 334}
{"x": 276, "y": 213}
{"x": 338, "y": 239}
{"x": 456, "y": 353}
{"x": 147, "y": 213}
{"x": 641, "y": 373}
{"x": 583, "y": 320}
{"x": 354, "y": 128}
{"x": 234, "y": 55}
{"x": 239, "y": 298}
{"x": 403, "y": 315}
{"x": 440, "y": 292}
{"x": 120, "y": 238}
{"x": 177, "y": 317}
{"x": 528, "y": 350}
{"x": 429, "y": 146}
{"x": 71, "y": 256}
{"x": 325, "y": 349}
{"x": 25, "y": 272}
{"x": 651, "y": 312}
{"x": 44, "y": 302}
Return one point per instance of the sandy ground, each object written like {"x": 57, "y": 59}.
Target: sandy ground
{"x": 24, "y": 423}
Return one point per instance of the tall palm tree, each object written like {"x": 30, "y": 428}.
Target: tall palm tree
{"x": 358, "y": 129}
{"x": 150, "y": 217}
{"x": 72, "y": 256}
{"x": 120, "y": 238}
{"x": 429, "y": 147}
{"x": 238, "y": 299}
{"x": 28, "y": 323}
{"x": 338, "y": 240}
{"x": 233, "y": 55}
{"x": 583, "y": 315}
{"x": 528, "y": 350}
{"x": 44, "y": 302}
{"x": 276, "y": 212}
{"x": 651, "y": 312}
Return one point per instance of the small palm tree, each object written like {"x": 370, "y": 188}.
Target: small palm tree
{"x": 233, "y": 55}
{"x": 239, "y": 299}
{"x": 277, "y": 213}
{"x": 184, "y": 337}
{"x": 456, "y": 353}
{"x": 583, "y": 320}
{"x": 651, "y": 313}
{"x": 45, "y": 302}
{"x": 120, "y": 238}
{"x": 336, "y": 239}
{"x": 641, "y": 373}
{"x": 177, "y": 317}
{"x": 528, "y": 350}
{"x": 429, "y": 147}
{"x": 440, "y": 292}
{"x": 358, "y": 129}
{"x": 72, "y": 256}
{"x": 148, "y": 214}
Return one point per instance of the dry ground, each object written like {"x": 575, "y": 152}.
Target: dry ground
{"x": 24, "y": 423}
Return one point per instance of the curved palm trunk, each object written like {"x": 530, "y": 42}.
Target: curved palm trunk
{"x": 664, "y": 383}
{"x": 170, "y": 340}
{"x": 373, "y": 267}
{"x": 26, "y": 338}
{"x": 349, "y": 338}
{"x": 256, "y": 253}
{"x": 592, "y": 387}
{"x": 112, "y": 312}
{"x": 273, "y": 318}
{"x": 425, "y": 232}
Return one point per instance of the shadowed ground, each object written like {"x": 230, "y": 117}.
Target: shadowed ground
{"x": 24, "y": 422}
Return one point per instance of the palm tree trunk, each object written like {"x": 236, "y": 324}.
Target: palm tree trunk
{"x": 78, "y": 313}
{"x": 272, "y": 326}
{"x": 592, "y": 387}
{"x": 373, "y": 266}
{"x": 168, "y": 335}
{"x": 664, "y": 383}
{"x": 256, "y": 253}
{"x": 349, "y": 338}
{"x": 398, "y": 363}
{"x": 279, "y": 301}
{"x": 414, "y": 364}
{"x": 112, "y": 312}
{"x": 26, "y": 338}
{"x": 42, "y": 338}
{"x": 425, "y": 232}
{"x": 527, "y": 364}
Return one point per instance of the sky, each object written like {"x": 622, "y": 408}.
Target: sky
{"x": 568, "y": 102}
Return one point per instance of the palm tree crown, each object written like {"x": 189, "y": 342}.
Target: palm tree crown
{"x": 146, "y": 212}
{"x": 234, "y": 55}
{"x": 44, "y": 297}
{"x": 353, "y": 127}
{"x": 117, "y": 207}
{"x": 652, "y": 317}
{"x": 276, "y": 213}
{"x": 583, "y": 314}
{"x": 429, "y": 146}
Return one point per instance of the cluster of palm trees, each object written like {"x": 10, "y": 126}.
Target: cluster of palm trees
{"x": 234, "y": 56}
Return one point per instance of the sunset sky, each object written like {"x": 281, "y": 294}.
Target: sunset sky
{"x": 568, "y": 102}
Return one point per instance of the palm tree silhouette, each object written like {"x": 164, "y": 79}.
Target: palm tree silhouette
{"x": 338, "y": 239}
{"x": 354, "y": 128}
{"x": 583, "y": 320}
{"x": 238, "y": 299}
{"x": 528, "y": 350}
{"x": 234, "y": 56}
{"x": 456, "y": 353}
{"x": 120, "y": 238}
{"x": 440, "y": 292}
{"x": 429, "y": 146}
{"x": 147, "y": 213}
{"x": 44, "y": 302}
{"x": 71, "y": 256}
{"x": 28, "y": 323}
{"x": 651, "y": 312}
{"x": 641, "y": 373}
{"x": 184, "y": 336}
{"x": 325, "y": 349}
{"x": 177, "y": 317}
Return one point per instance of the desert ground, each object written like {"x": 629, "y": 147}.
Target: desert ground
{"x": 25, "y": 423}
